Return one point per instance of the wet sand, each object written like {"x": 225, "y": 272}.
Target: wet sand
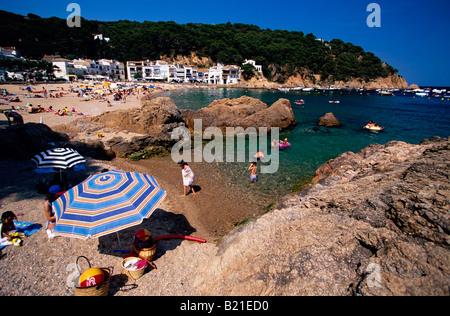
{"x": 217, "y": 206}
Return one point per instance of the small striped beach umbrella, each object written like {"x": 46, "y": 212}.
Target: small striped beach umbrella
{"x": 105, "y": 203}
{"x": 62, "y": 158}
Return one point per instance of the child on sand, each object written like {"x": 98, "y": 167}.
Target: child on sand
{"x": 254, "y": 168}
{"x": 188, "y": 177}
{"x": 9, "y": 234}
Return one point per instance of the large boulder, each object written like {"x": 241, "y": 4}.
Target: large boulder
{"x": 329, "y": 120}
{"x": 242, "y": 112}
{"x": 156, "y": 118}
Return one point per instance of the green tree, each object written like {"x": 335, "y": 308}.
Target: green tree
{"x": 248, "y": 71}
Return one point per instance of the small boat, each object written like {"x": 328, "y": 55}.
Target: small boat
{"x": 308, "y": 89}
{"x": 422, "y": 94}
{"x": 333, "y": 101}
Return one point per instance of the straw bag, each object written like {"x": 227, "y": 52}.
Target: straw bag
{"x": 133, "y": 274}
{"x": 100, "y": 289}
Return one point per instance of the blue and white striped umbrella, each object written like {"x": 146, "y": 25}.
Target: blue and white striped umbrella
{"x": 63, "y": 158}
{"x": 106, "y": 203}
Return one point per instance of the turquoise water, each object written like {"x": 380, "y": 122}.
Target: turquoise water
{"x": 404, "y": 117}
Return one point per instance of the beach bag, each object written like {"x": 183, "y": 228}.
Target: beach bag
{"x": 100, "y": 289}
{"x": 133, "y": 273}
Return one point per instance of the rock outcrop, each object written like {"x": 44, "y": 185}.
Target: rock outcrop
{"x": 23, "y": 141}
{"x": 135, "y": 129}
{"x": 156, "y": 118}
{"x": 374, "y": 222}
{"x": 329, "y": 120}
{"x": 242, "y": 112}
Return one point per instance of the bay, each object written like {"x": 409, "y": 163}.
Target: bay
{"x": 404, "y": 116}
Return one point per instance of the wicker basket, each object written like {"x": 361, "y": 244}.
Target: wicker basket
{"x": 133, "y": 274}
{"x": 146, "y": 253}
{"x": 100, "y": 289}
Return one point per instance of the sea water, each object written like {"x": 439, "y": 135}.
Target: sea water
{"x": 404, "y": 117}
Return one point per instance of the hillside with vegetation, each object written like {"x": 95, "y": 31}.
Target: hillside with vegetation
{"x": 281, "y": 53}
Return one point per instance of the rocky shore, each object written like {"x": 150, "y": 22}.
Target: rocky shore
{"x": 373, "y": 223}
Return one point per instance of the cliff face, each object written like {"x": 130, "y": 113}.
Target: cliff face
{"x": 313, "y": 81}
{"x": 374, "y": 223}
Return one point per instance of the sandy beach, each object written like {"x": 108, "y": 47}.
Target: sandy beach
{"x": 83, "y": 106}
{"x": 209, "y": 214}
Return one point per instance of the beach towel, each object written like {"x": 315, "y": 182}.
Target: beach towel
{"x": 26, "y": 228}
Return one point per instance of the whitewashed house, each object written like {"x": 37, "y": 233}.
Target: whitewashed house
{"x": 66, "y": 68}
{"x": 252, "y": 62}
{"x": 221, "y": 74}
{"x": 148, "y": 70}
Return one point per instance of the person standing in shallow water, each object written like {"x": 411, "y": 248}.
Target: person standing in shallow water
{"x": 253, "y": 169}
{"x": 188, "y": 177}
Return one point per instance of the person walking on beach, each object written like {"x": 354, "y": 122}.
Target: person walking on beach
{"x": 253, "y": 169}
{"x": 188, "y": 177}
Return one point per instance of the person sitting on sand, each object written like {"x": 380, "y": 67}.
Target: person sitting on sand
{"x": 8, "y": 230}
{"x": 31, "y": 108}
{"x": 188, "y": 177}
{"x": 39, "y": 109}
{"x": 253, "y": 169}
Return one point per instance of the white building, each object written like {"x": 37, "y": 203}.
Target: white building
{"x": 93, "y": 69}
{"x": 221, "y": 74}
{"x": 252, "y": 62}
{"x": 66, "y": 68}
{"x": 111, "y": 69}
{"x": 100, "y": 37}
{"x": 148, "y": 70}
{"x": 179, "y": 73}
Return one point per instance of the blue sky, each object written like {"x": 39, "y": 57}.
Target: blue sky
{"x": 414, "y": 36}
